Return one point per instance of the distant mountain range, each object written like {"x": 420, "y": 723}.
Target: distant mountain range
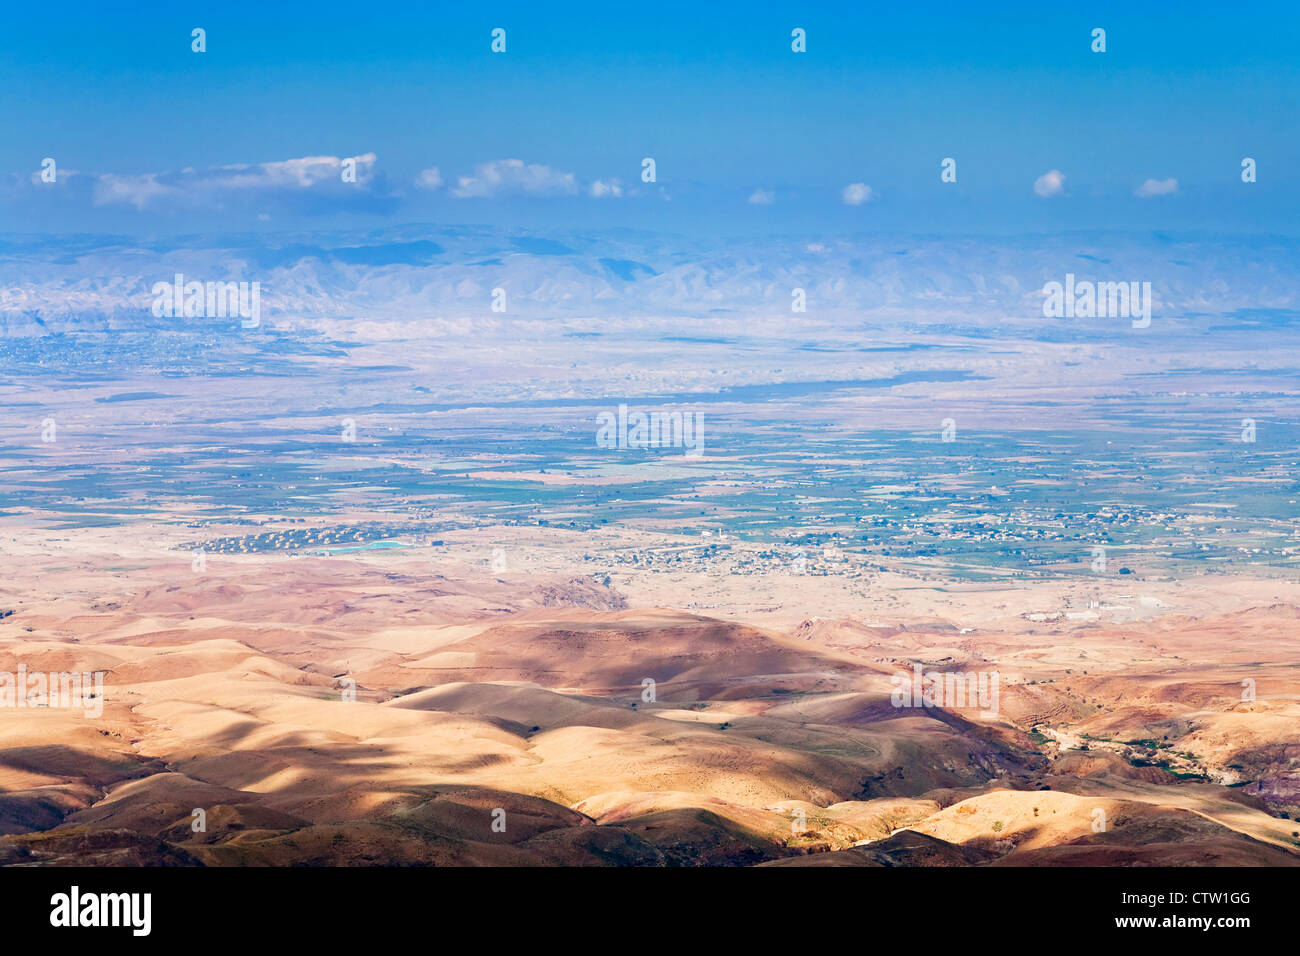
{"x": 444, "y": 274}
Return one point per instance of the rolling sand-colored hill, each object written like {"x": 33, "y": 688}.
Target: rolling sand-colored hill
{"x": 321, "y": 712}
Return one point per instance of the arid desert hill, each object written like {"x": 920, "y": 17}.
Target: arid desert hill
{"x": 320, "y": 711}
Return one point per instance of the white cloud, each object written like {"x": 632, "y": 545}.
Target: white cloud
{"x": 1051, "y": 183}
{"x": 307, "y": 179}
{"x": 313, "y": 185}
{"x": 61, "y": 176}
{"x": 514, "y": 176}
{"x": 138, "y": 191}
{"x": 430, "y": 178}
{"x": 855, "y": 194}
{"x": 300, "y": 173}
{"x": 1157, "y": 187}
{"x": 762, "y": 197}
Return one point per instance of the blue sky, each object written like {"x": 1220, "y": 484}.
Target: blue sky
{"x": 748, "y": 137}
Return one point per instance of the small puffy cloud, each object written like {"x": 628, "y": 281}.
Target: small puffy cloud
{"x": 855, "y": 194}
{"x": 1051, "y": 183}
{"x": 1157, "y": 187}
{"x": 514, "y": 176}
{"x": 762, "y": 197}
{"x": 430, "y": 178}
{"x": 606, "y": 188}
